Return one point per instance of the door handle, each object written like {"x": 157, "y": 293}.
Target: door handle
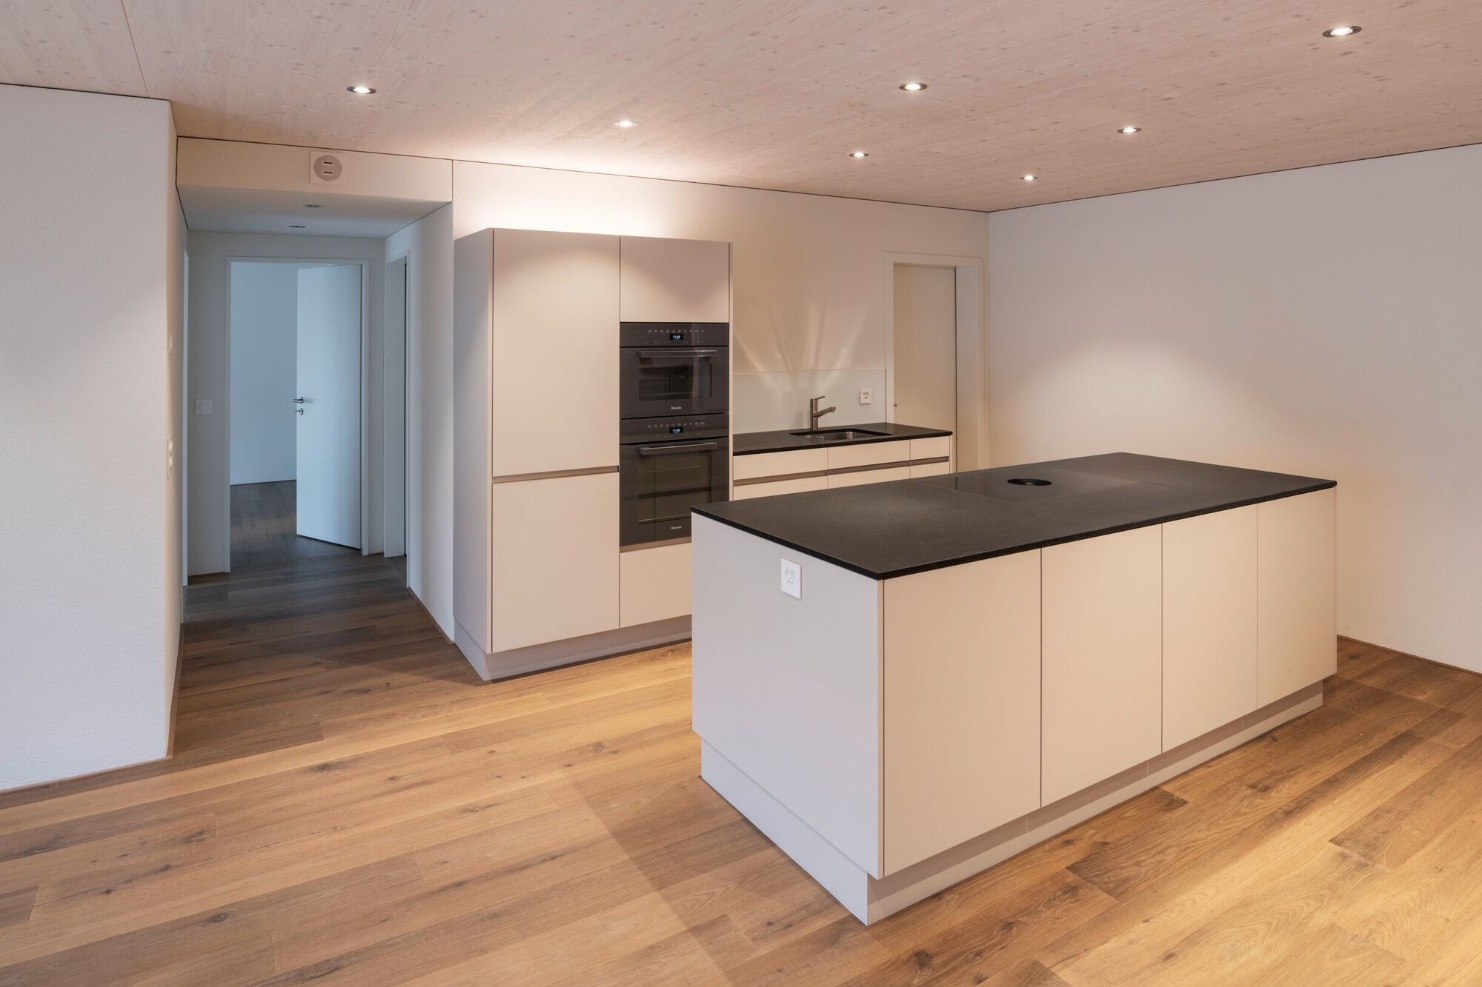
{"x": 298, "y": 400}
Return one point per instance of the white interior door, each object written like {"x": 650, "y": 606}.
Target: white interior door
{"x": 329, "y": 404}
{"x": 924, "y": 345}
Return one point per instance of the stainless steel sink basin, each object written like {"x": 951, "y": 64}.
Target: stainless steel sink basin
{"x": 839, "y": 434}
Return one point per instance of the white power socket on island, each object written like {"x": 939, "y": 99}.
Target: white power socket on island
{"x": 866, "y": 396}
{"x": 792, "y": 579}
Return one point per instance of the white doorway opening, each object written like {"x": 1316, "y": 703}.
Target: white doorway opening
{"x": 295, "y": 408}
{"x": 934, "y": 352}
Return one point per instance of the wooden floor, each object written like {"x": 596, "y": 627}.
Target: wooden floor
{"x": 349, "y": 805}
{"x": 265, "y": 523}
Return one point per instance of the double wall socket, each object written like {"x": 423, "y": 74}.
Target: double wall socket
{"x": 866, "y": 396}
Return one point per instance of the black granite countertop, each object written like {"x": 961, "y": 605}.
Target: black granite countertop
{"x": 891, "y": 529}
{"x": 785, "y": 441}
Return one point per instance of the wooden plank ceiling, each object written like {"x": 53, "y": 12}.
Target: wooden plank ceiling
{"x": 775, "y": 93}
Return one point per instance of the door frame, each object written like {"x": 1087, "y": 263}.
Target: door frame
{"x": 396, "y": 342}
{"x": 970, "y": 444}
{"x": 365, "y": 341}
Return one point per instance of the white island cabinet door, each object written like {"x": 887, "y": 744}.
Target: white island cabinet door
{"x": 554, "y": 559}
{"x": 1103, "y": 663}
{"x": 1209, "y": 623}
{"x": 554, "y": 359}
{"x": 1298, "y": 593}
{"x": 961, "y": 697}
{"x": 675, "y": 280}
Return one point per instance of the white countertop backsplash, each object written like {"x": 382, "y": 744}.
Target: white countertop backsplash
{"x": 763, "y": 402}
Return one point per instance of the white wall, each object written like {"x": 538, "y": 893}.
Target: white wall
{"x": 264, "y": 359}
{"x": 1322, "y": 321}
{"x": 809, "y": 272}
{"x": 88, "y": 266}
{"x": 428, "y": 247}
{"x": 211, "y": 254}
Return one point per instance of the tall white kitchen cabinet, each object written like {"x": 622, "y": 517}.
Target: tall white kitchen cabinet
{"x": 675, "y": 280}
{"x": 536, "y": 444}
{"x": 538, "y": 577}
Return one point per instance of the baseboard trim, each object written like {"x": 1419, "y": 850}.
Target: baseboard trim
{"x": 539, "y": 657}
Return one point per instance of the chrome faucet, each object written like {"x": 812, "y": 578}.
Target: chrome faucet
{"x": 814, "y": 413}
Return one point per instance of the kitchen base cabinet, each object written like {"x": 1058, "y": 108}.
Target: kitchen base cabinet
{"x": 1102, "y": 612}
{"x": 1299, "y": 596}
{"x": 858, "y": 477}
{"x": 654, "y": 584}
{"x": 554, "y": 559}
{"x": 908, "y": 712}
{"x": 1209, "y": 622}
{"x": 961, "y": 677}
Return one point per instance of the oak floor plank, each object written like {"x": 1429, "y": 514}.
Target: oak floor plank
{"x": 350, "y": 805}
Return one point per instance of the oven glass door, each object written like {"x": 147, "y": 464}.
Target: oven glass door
{"x": 661, "y": 482}
{"x": 658, "y": 382}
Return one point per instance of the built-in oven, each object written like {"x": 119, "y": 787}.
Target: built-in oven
{"x": 667, "y": 466}
{"x": 674, "y": 368}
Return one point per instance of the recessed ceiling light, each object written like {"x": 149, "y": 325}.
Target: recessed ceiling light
{"x": 312, "y": 205}
{"x": 360, "y": 90}
{"x": 859, "y": 154}
{"x": 1342, "y": 32}
{"x": 1031, "y": 178}
{"x": 1129, "y": 130}
{"x": 293, "y": 226}
{"x": 912, "y": 87}
{"x": 626, "y": 124}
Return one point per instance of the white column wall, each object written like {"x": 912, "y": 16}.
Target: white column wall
{"x": 428, "y": 247}
{"x": 1321, "y": 321}
{"x": 89, "y": 268}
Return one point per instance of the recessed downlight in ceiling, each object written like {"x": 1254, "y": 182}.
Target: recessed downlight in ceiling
{"x": 1031, "y": 178}
{"x": 912, "y": 87}
{"x": 859, "y": 154}
{"x": 626, "y": 124}
{"x": 312, "y": 205}
{"x": 294, "y": 226}
{"x": 1129, "y": 130}
{"x": 360, "y": 90}
{"x": 1342, "y": 32}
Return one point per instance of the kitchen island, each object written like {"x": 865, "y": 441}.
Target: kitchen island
{"x": 902, "y": 684}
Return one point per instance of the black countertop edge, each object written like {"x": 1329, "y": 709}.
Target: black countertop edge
{"x": 1027, "y": 547}
{"x": 748, "y": 443}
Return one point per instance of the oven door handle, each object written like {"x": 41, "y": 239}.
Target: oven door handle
{"x": 674, "y": 355}
{"x": 670, "y": 450}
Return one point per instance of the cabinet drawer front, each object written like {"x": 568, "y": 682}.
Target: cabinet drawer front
{"x": 801, "y": 484}
{"x": 779, "y": 463}
{"x": 655, "y": 584}
{"x": 553, "y": 559}
{"x": 930, "y": 469}
{"x": 869, "y": 454}
{"x": 932, "y": 448}
{"x": 868, "y": 476}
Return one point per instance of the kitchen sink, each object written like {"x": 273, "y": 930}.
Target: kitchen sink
{"x": 839, "y": 434}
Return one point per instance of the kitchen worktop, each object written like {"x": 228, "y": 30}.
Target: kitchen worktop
{"x": 893, "y": 529}
{"x": 745, "y": 443}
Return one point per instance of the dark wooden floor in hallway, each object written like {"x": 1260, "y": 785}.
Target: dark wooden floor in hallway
{"x": 264, "y": 526}
{"x": 350, "y": 805}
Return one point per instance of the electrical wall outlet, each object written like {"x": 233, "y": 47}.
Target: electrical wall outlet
{"x": 203, "y": 406}
{"x": 866, "y": 396}
{"x": 792, "y": 579}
